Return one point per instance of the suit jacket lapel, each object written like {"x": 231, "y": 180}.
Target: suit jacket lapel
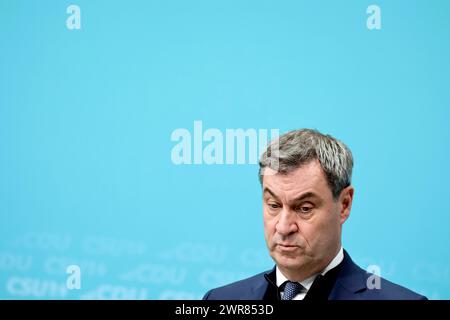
{"x": 258, "y": 288}
{"x": 350, "y": 281}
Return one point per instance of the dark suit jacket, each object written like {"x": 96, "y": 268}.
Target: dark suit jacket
{"x": 346, "y": 282}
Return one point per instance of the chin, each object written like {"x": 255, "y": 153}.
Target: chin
{"x": 289, "y": 262}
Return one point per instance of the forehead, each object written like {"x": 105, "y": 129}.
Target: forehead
{"x": 307, "y": 178}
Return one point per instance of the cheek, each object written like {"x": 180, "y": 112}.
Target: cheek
{"x": 320, "y": 230}
{"x": 269, "y": 227}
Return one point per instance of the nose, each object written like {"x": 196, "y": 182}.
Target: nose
{"x": 287, "y": 224}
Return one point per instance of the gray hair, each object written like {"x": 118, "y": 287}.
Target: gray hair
{"x": 296, "y": 148}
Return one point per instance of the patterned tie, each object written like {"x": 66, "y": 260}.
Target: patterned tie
{"x": 291, "y": 289}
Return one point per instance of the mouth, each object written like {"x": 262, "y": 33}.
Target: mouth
{"x": 287, "y": 247}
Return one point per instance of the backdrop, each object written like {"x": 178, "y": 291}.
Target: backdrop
{"x": 107, "y": 109}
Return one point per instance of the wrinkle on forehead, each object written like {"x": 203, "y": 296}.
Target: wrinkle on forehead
{"x": 307, "y": 178}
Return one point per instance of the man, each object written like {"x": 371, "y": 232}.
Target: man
{"x": 307, "y": 197}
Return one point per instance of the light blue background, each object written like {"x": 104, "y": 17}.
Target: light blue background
{"x": 86, "y": 117}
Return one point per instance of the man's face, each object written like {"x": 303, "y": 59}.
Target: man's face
{"x": 302, "y": 220}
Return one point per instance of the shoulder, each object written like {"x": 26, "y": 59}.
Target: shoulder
{"x": 387, "y": 290}
{"x": 355, "y": 283}
{"x": 246, "y": 289}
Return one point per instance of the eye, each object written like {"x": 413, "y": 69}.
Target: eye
{"x": 273, "y": 205}
{"x": 304, "y": 208}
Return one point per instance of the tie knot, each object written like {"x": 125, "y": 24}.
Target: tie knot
{"x": 291, "y": 289}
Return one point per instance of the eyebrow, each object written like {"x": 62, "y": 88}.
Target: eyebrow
{"x": 267, "y": 190}
{"x": 299, "y": 198}
{"x": 305, "y": 196}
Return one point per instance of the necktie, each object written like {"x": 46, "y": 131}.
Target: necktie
{"x": 291, "y": 289}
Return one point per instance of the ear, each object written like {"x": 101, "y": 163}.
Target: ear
{"x": 345, "y": 203}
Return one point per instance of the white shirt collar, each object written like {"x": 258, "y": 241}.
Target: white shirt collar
{"x": 309, "y": 281}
